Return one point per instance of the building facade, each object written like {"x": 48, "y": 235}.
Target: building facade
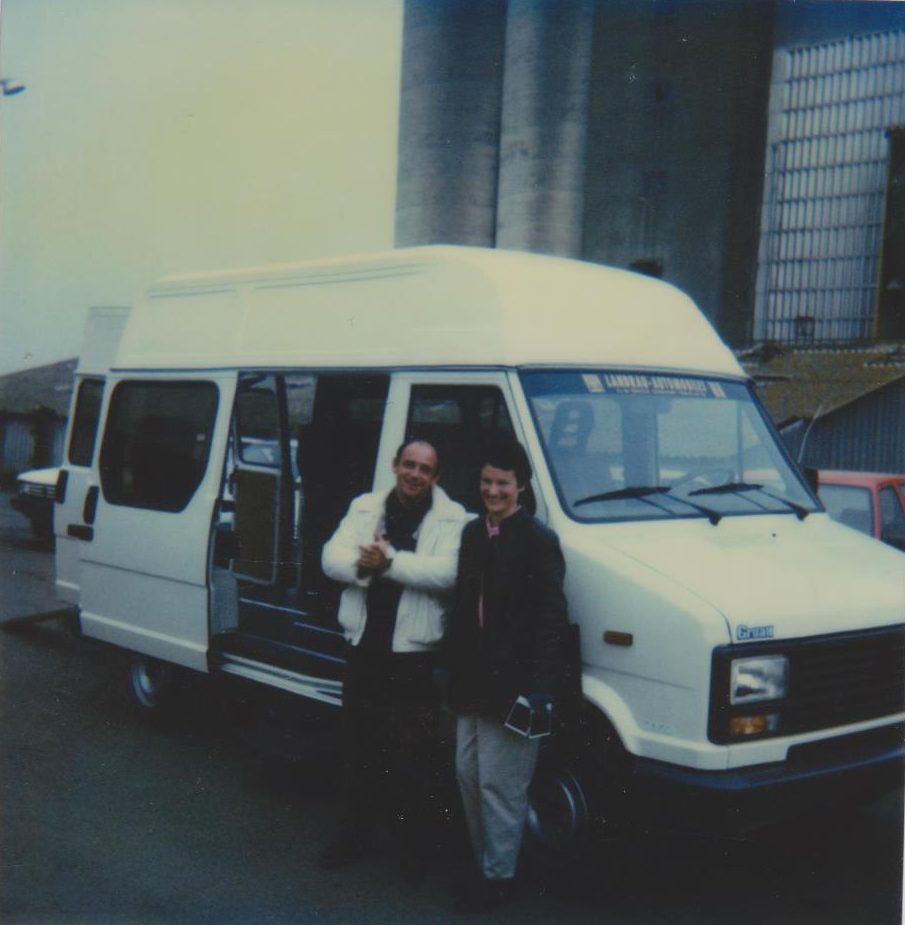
{"x": 34, "y": 405}
{"x": 744, "y": 151}
{"x": 831, "y": 261}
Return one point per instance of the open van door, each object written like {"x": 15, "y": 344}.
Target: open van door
{"x": 77, "y": 483}
{"x": 261, "y": 488}
{"x": 144, "y": 575}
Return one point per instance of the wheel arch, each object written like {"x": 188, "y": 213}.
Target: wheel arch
{"x": 601, "y": 701}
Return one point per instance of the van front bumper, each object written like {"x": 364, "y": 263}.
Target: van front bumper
{"x": 844, "y": 771}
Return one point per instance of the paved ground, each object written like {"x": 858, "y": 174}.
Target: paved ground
{"x": 107, "y": 820}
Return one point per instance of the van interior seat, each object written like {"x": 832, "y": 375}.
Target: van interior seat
{"x": 578, "y": 473}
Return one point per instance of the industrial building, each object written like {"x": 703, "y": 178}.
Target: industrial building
{"x": 750, "y": 152}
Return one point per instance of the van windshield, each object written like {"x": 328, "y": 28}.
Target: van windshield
{"x": 626, "y": 445}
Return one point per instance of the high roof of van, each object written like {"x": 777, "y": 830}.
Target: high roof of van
{"x": 422, "y": 307}
{"x": 101, "y": 338}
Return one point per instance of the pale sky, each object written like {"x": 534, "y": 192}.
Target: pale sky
{"x": 165, "y": 136}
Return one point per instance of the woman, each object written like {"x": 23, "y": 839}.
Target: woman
{"x": 505, "y": 640}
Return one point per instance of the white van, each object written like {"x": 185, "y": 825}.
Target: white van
{"x": 737, "y": 644}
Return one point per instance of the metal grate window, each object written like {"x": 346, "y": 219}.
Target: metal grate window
{"x": 822, "y": 218}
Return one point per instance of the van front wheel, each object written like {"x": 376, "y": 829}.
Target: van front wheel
{"x": 577, "y": 796}
{"x": 559, "y": 817}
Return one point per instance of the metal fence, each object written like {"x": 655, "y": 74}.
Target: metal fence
{"x": 823, "y": 210}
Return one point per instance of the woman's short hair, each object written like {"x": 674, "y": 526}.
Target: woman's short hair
{"x": 505, "y": 452}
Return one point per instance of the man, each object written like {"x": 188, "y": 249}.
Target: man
{"x": 397, "y": 554}
{"x": 506, "y": 642}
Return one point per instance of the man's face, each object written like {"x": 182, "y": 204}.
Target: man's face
{"x": 416, "y": 472}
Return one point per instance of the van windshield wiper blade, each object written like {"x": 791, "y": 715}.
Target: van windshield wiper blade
{"x": 643, "y": 492}
{"x": 634, "y": 491}
{"x": 713, "y": 516}
{"x": 740, "y": 487}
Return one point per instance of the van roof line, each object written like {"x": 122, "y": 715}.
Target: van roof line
{"x": 439, "y": 305}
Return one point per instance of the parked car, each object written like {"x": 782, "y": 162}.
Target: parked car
{"x": 872, "y": 502}
{"x": 36, "y": 491}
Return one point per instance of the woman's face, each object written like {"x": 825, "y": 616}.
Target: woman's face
{"x": 500, "y": 492}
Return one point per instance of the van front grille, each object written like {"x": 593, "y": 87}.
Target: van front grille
{"x": 842, "y": 680}
{"x": 35, "y": 490}
{"x": 833, "y": 681}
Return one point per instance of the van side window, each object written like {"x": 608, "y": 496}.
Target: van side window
{"x": 156, "y": 443}
{"x": 84, "y": 421}
{"x": 456, "y": 419}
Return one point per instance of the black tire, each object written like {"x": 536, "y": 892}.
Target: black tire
{"x": 577, "y": 797}
{"x": 559, "y": 817}
{"x": 154, "y": 686}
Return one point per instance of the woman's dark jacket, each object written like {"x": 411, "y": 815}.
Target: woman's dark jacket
{"x": 521, "y": 648}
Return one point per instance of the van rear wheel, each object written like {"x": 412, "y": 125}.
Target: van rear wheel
{"x": 152, "y": 684}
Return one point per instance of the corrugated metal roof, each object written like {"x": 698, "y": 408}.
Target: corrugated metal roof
{"x": 47, "y": 387}
{"x": 866, "y": 434}
{"x": 794, "y": 383}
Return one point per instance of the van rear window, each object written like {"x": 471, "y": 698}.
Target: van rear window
{"x": 156, "y": 443}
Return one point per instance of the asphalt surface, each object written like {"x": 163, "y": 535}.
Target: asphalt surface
{"x": 218, "y": 816}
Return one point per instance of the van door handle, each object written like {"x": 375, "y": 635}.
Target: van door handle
{"x": 89, "y": 510}
{"x": 85, "y": 531}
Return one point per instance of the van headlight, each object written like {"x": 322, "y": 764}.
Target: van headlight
{"x": 764, "y": 677}
{"x": 749, "y": 693}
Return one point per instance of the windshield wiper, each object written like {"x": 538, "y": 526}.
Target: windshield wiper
{"x": 635, "y": 491}
{"x": 713, "y": 516}
{"x": 739, "y": 487}
{"x": 642, "y": 492}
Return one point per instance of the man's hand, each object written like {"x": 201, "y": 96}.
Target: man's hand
{"x": 374, "y": 557}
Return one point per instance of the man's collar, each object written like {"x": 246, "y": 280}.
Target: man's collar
{"x": 422, "y": 504}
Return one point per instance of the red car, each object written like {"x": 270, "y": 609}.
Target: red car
{"x": 872, "y": 502}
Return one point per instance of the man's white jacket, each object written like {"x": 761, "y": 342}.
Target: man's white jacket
{"x": 428, "y": 573}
